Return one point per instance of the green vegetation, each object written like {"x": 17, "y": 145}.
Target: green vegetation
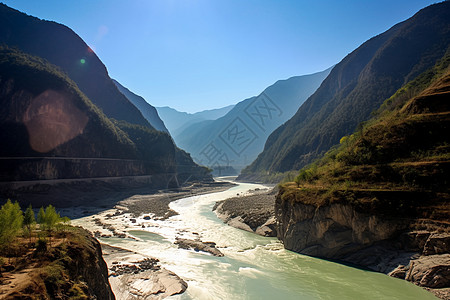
{"x": 398, "y": 163}
{"x": 356, "y": 87}
{"x": 52, "y": 269}
{"x": 14, "y": 224}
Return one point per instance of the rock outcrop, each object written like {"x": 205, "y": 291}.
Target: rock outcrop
{"x": 330, "y": 231}
{"x": 197, "y": 245}
{"x": 252, "y": 213}
{"x": 134, "y": 276}
{"x": 340, "y": 232}
{"x": 89, "y": 265}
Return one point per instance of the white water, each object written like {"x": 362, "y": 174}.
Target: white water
{"x": 254, "y": 267}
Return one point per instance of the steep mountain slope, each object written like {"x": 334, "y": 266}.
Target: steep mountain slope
{"x": 382, "y": 198}
{"x": 355, "y": 87}
{"x": 238, "y": 137}
{"x": 51, "y": 130}
{"x": 147, "y": 110}
{"x": 64, "y": 48}
{"x": 177, "y": 121}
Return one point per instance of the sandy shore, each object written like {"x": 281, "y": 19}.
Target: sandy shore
{"x": 253, "y": 212}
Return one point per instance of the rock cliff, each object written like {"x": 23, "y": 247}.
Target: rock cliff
{"x": 340, "y": 232}
{"x": 71, "y": 267}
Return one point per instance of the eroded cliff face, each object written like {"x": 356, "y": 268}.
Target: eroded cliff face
{"x": 88, "y": 265}
{"x": 340, "y": 232}
{"x": 330, "y": 231}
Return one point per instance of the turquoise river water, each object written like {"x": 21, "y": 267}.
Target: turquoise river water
{"x": 253, "y": 267}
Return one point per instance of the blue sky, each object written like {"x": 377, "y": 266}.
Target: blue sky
{"x": 197, "y": 54}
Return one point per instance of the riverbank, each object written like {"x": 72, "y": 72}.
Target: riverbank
{"x": 253, "y": 212}
{"x": 138, "y": 201}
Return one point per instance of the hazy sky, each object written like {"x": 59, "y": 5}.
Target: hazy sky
{"x": 200, "y": 54}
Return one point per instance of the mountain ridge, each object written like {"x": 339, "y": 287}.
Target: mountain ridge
{"x": 178, "y": 120}
{"x": 254, "y": 117}
{"x": 148, "y": 111}
{"x": 51, "y": 41}
{"x": 337, "y": 107}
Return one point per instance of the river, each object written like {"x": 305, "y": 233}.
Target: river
{"x": 253, "y": 267}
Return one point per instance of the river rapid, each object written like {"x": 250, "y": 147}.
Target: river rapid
{"x": 253, "y": 267}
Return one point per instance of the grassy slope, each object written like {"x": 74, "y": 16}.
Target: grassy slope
{"x": 398, "y": 163}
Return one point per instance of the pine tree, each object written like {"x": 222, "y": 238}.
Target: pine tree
{"x": 11, "y": 219}
{"x": 51, "y": 218}
{"x": 41, "y": 217}
{"x": 29, "y": 221}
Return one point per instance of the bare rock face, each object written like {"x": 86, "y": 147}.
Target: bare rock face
{"x": 148, "y": 285}
{"x": 268, "y": 228}
{"x": 331, "y": 231}
{"x": 339, "y": 232}
{"x": 437, "y": 244}
{"x": 431, "y": 271}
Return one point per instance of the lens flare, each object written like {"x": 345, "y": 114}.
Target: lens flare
{"x": 82, "y": 61}
{"x": 52, "y": 119}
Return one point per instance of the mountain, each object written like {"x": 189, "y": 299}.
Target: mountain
{"x": 147, "y": 110}
{"x": 44, "y": 115}
{"x": 234, "y": 140}
{"x": 381, "y": 199}
{"x": 355, "y": 87}
{"x": 176, "y": 121}
{"x": 62, "y": 47}
{"x": 153, "y": 152}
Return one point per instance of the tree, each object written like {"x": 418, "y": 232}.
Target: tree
{"x": 11, "y": 219}
{"x": 29, "y": 221}
{"x": 50, "y": 220}
{"x": 51, "y": 217}
{"x": 41, "y": 217}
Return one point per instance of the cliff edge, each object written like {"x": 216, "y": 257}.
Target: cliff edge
{"x": 72, "y": 267}
{"x": 381, "y": 198}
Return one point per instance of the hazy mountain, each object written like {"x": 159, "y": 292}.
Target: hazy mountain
{"x": 64, "y": 48}
{"x": 238, "y": 137}
{"x": 355, "y": 87}
{"x": 177, "y": 121}
{"x": 148, "y": 111}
